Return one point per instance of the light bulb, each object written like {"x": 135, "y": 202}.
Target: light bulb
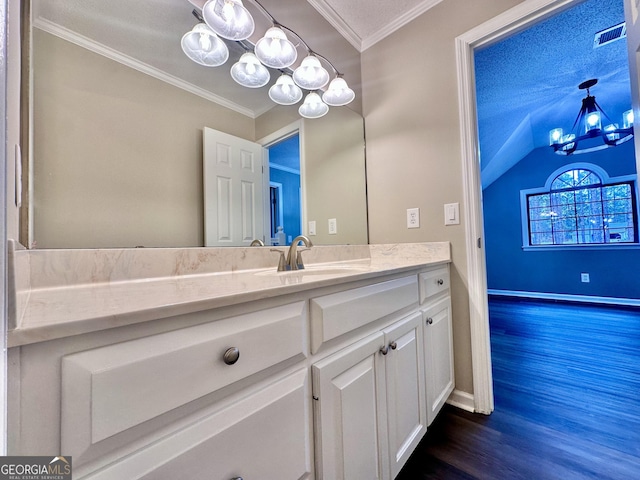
{"x": 275, "y": 50}
{"x": 284, "y": 91}
{"x": 227, "y": 11}
{"x": 338, "y": 93}
{"x": 205, "y": 42}
{"x": 228, "y": 18}
{"x": 250, "y": 68}
{"x": 310, "y": 75}
{"x": 249, "y": 72}
{"x": 313, "y": 106}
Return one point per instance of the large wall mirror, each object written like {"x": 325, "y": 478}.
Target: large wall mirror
{"x": 116, "y": 120}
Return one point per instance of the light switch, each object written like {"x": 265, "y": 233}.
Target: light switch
{"x": 452, "y": 214}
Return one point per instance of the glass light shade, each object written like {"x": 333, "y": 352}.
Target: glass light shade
{"x": 627, "y": 119}
{"x": 228, "y": 18}
{"x": 592, "y": 122}
{"x": 275, "y": 50}
{"x": 555, "y": 136}
{"x": 285, "y": 91}
{"x": 311, "y": 75}
{"x": 203, "y": 46}
{"x": 612, "y": 137}
{"x": 249, "y": 72}
{"x": 313, "y": 106}
{"x": 338, "y": 93}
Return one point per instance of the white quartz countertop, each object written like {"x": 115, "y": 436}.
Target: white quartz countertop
{"x": 60, "y": 293}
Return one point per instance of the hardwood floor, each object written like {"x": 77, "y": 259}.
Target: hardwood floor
{"x": 567, "y": 400}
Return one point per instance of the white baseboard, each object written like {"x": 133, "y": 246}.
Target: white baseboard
{"x": 462, "y": 400}
{"x": 630, "y": 302}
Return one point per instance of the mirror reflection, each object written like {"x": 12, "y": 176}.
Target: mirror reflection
{"x": 117, "y": 143}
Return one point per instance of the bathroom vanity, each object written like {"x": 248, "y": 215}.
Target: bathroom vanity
{"x": 208, "y": 363}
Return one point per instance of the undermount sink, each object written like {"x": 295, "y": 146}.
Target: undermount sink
{"x": 341, "y": 269}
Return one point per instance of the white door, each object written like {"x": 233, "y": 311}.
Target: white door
{"x": 406, "y": 392}
{"x": 438, "y": 351}
{"x": 350, "y": 409}
{"x": 233, "y": 190}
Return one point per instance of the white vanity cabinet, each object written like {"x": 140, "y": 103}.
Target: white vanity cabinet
{"x": 438, "y": 338}
{"x": 335, "y": 382}
{"x": 369, "y": 397}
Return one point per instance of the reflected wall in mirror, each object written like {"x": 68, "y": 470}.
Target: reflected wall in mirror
{"x": 117, "y": 152}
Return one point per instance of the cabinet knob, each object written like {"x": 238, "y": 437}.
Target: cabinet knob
{"x": 393, "y": 345}
{"x": 231, "y": 356}
{"x": 440, "y": 281}
{"x": 384, "y": 350}
{"x": 429, "y": 320}
{"x": 236, "y": 478}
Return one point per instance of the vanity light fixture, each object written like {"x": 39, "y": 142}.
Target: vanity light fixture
{"x": 587, "y": 132}
{"x": 285, "y": 91}
{"x": 203, "y": 46}
{"x": 275, "y": 50}
{"x": 313, "y": 106}
{"x": 249, "y": 72}
{"x": 338, "y": 93}
{"x": 229, "y": 19}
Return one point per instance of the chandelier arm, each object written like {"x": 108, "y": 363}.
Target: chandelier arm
{"x": 580, "y": 116}
{"x": 601, "y": 110}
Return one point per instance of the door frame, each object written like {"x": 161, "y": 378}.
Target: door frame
{"x": 498, "y": 28}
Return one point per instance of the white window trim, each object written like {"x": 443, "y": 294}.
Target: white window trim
{"x": 606, "y": 180}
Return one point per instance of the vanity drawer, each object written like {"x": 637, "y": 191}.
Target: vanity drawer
{"x": 336, "y": 314}
{"x": 110, "y": 389}
{"x": 433, "y": 283}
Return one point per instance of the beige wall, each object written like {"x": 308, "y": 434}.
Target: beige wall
{"x": 410, "y": 107}
{"x": 143, "y": 189}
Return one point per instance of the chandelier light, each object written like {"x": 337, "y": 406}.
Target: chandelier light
{"x": 275, "y": 50}
{"x": 285, "y": 91}
{"x": 313, "y": 106}
{"x": 249, "y": 72}
{"x": 587, "y": 134}
{"x": 229, "y": 21}
{"x": 228, "y": 18}
{"x": 203, "y": 46}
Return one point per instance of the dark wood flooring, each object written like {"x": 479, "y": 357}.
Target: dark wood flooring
{"x": 567, "y": 400}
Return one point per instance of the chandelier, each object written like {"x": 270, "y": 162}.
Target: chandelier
{"x": 587, "y": 134}
{"x": 231, "y": 20}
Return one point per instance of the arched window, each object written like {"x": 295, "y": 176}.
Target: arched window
{"x": 580, "y": 207}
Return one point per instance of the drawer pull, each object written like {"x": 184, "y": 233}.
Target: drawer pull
{"x": 384, "y": 350}
{"x": 393, "y": 345}
{"x": 440, "y": 281}
{"x": 429, "y": 321}
{"x": 236, "y": 478}
{"x": 231, "y": 356}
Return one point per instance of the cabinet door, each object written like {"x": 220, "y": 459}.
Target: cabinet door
{"x": 438, "y": 350}
{"x": 350, "y": 413}
{"x": 406, "y": 403}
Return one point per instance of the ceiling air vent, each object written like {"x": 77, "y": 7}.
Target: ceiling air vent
{"x": 610, "y": 34}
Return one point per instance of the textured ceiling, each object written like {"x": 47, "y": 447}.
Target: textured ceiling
{"x": 528, "y": 84}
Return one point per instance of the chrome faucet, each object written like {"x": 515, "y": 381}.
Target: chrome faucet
{"x": 294, "y": 258}
{"x": 257, "y": 243}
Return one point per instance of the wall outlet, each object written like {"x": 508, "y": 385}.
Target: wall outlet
{"x": 413, "y": 218}
{"x": 584, "y": 278}
{"x": 312, "y": 227}
{"x": 333, "y": 226}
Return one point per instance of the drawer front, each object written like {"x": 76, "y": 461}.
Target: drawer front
{"x": 433, "y": 283}
{"x": 264, "y": 435}
{"x": 336, "y": 314}
{"x": 110, "y": 389}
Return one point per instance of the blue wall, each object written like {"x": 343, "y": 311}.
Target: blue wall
{"x": 613, "y": 272}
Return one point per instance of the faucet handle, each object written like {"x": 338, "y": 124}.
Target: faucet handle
{"x": 282, "y": 263}
{"x": 299, "y": 261}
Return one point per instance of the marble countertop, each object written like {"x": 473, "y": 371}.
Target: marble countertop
{"x": 60, "y": 293}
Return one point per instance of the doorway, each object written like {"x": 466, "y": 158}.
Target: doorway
{"x": 285, "y": 210}
{"x": 502, "y": 27}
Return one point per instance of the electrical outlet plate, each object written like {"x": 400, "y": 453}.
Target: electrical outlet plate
{"x": 333, "y": 226}
{"x": 312, "y": 227}
{"x": 413, "y": 218}
{"x": 584, "y": 277}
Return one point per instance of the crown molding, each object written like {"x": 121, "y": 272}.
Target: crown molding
{"x": 361, "y": 44}
{"x": 108, "y": 52}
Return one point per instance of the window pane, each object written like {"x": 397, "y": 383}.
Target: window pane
{"x": 540, "y": 226}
